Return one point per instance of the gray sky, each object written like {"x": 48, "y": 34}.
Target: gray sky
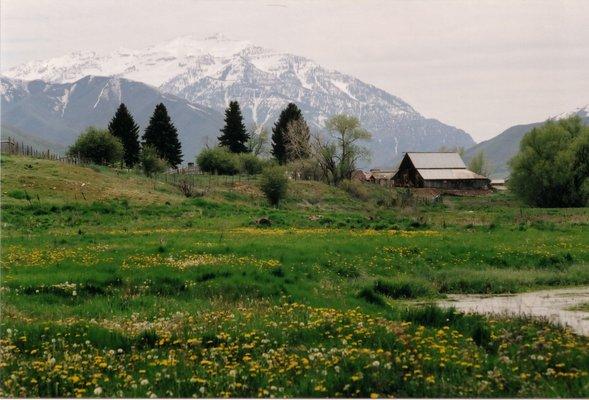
{"x": 481, "y": 66}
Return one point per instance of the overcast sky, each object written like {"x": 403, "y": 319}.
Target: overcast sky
{"x": 481, "y": 66}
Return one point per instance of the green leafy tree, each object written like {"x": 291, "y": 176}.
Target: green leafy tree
{"x": 338, "y": 154}
{"x": 97, "y": 146}
{"x": 250, "y": 164}
{"x": 274, "y": 184}
{"x": 552, "y": 166}
{"x": 234, "y": 135}
{"x": 218, "y": 160}
{"x": 151, "y": 163}
{"x": 163, "y": 136}
{"x": 479, "y": 164}
{"x": 279, "y": 139}
{"x": 123, "y": 127}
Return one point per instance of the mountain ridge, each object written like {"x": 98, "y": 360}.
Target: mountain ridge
{"x": 215, "y": 70}
{"x": 58, "y": 112}
{"x": 501, "y": 148}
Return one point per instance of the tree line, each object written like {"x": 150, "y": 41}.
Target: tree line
{"x": 330, "y": 157}
{"x": 159, "y": 146}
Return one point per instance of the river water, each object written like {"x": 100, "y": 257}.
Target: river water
{"x": 553, "y": 305}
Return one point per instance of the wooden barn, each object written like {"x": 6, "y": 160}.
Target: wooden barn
{"x": 383, "y": 178}
{"x": 361, "y": 176}
{"x": 437, "y": 170}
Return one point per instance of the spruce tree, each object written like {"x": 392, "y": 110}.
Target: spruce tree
{"x": 290, "y": 113}
{"x": 163, "y": 136}
{"x": 234, "y": 135}
{"x": 123, "y": 127}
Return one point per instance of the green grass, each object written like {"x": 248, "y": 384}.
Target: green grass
{"x": 202, "y": 301}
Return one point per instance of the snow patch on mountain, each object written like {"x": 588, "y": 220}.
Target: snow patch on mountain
{"x": 215, "y": 70}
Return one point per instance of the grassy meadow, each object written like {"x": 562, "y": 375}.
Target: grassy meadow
{"x": 114, "y": 284}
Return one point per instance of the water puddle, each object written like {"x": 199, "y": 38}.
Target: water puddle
{"x": 554, "y": 305}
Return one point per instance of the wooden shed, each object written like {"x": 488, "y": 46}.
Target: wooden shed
{"x": 383, "y": 178}
{"x": 437, "y": 170}
{"x": 361, "y": 176}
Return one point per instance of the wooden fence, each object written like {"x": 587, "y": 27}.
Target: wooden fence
{"x": 13, "y": 147}
{"x": 203, "y": 180}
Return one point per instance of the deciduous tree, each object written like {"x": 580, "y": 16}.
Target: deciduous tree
{"x": 552, "y": 166}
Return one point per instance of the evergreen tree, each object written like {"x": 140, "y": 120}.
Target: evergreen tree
{"x": 123, "y": 127}
{"x": 234, "y": 135}
{"x": 279, "y": 147}
{"x": 163, "y": 136}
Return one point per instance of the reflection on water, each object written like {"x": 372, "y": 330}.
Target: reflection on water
{"x": 554, "y": 305}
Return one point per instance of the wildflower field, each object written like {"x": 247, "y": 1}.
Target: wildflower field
{"x": 145, "y": 293}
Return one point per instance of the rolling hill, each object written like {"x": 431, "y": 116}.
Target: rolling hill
{"x": 58, "y": 112}
{"x": 500, "y": 149}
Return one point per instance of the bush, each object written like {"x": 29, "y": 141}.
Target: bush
{"x": 552, "y": 166}
{"x": 97, "y": 146}
{"x": 17, "y": 194}
{"x": 403, "y": 288}
{"x": 355, "y": 189}
{"x": 218, "y": 160}
{"x": 274, "y": 184}
{"x": 151, "y": 163}
{"x": 250, "y": 164}
{"x": 371, "y": 296}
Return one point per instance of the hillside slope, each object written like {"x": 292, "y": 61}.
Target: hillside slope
{"x": 500, "y": 149}
{"x": 59, "y": 112}
{"x": 28, "y": 139}
{"x": 52, "y": 182}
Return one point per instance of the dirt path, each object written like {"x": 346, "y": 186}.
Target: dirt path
{"x": 553, "y": 305}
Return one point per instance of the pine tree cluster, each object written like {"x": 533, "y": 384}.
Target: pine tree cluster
{"x": 160, "y": 134}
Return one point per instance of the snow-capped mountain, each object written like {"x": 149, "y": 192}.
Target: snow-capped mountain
{"x": 58, "y": 112}
{"x": 215, "y": 70}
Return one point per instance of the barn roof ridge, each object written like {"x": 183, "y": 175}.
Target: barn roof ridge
{"x": 436, "y": 160}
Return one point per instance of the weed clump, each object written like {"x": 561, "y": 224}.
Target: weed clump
{"x": 371, "y": 296}
{"x": 403, "y": 288}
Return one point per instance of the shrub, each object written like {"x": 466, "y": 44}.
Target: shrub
{"x": 371, "y": 296}
{"x": 274, "y": 184}
{"x": 151, "y": 163}
{"x": 97, "y": 146}
{"x": 218, "y": 160}
{"x": 250, "y": 164}
{"x": 552, "y": 166}
{"x": 403, "y": 288}
{"x": 355, "y": 189}
{"x": 17, "y": 194}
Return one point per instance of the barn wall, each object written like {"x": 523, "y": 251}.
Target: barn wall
{"x": 457, "y": 184}
{"x": 407, "y": 175}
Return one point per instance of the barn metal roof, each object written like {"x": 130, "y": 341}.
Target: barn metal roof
{"x": 436, "y": 160}
{"x": 448, "y": 174}
{"x": 384, "y": 175}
